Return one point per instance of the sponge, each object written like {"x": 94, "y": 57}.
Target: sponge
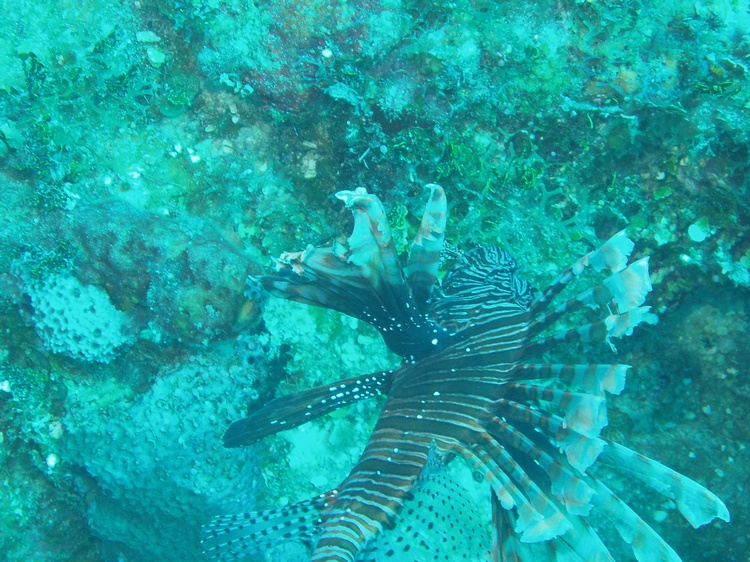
{"x": 76, "y": 320}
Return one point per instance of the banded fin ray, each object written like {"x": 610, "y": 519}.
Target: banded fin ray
{"x": 584, "y": 413}
{"x": 424, "y": 255}
{"x": 612, "y": 326}
{"x": 579, "y": 544}
{"x": 697, "y": 504}
{"x": 612, "y": 255}
{"x": 580, "y": 450}
{"x": 539, "y": 518}
{"x": 363, "y": 278}
{"x": 625, "y": 289}
{"x": 646, "y": 543}
{"x": 593, "y": 379}
{"x": 569, "y": 489}
{"x": 372, "y": 250}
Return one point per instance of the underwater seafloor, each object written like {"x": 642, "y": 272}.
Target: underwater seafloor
{"x": 155, "y": 153}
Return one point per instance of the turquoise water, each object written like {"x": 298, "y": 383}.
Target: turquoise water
{"x": 156, "y": 154}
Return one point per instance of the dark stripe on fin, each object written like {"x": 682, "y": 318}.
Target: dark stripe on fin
{"x": 424, "y": 256}
{"x": 363, "y": 277}
{"x": 288, "y": 412}
{"x": 612, "y": 255}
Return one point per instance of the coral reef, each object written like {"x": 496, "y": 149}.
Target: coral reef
{"x": 190, "y": 288}
{"x": 160, "y": 151}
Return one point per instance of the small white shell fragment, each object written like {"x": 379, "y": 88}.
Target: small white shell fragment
{"x": 698, "y": 232}
{"x": 156, "y": 57}
{"x": 147, "y": 37}
{"x": 52, "y": 460}
{"x": 55, "y": 429}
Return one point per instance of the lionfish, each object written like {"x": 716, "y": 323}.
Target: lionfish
{"x": 465, "y": 388}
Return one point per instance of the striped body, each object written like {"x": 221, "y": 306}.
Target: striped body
{"x": 467, "y": 387}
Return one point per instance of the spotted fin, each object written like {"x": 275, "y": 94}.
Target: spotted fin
{"x": 287, "y": 412}
{"x": 531, "y": 431}
{"x": 234, "y": 537}
{"x": 438, "y": 523}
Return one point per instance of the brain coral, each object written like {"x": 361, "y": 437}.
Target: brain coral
{"x": 76, "y": 320}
